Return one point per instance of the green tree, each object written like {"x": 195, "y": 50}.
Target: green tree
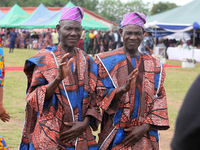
{"x": 87, "y": 4}
{"x": 21, "y": 3}
{"x": 161, "y": 7}
{"x": 114, "y": 10}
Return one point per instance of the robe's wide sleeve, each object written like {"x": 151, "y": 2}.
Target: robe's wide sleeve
{"x": 92, "y": 109}
{"x": 36, "y": 90}
{"x": 106, "y": 90}
{"x": 157, "y": 114}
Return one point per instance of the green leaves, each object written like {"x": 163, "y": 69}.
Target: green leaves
{"x": 161, "y": 7}
{"x": 114, "y": 10}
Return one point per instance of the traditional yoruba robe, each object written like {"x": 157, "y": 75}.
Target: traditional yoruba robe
{"x": 71, "y": 101}
{"x": 144, "y": 103}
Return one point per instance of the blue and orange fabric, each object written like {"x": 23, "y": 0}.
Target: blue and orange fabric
{"x": 145, "y": 103}
{"x": 3, "y": 145}
{"x": 2, "y": 67}
{"x": 44, "y": 121}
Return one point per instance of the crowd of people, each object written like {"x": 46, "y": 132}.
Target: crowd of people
{"x": 92, "y": 41}
{"x": 25, "y": 39}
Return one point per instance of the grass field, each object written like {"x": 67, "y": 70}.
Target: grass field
{"x": 176, "y": 84}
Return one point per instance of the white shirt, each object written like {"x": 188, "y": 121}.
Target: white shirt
{"x": 116, "y": 37}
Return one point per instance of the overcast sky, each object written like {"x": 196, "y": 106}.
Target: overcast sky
{"x": 178, "y": 2}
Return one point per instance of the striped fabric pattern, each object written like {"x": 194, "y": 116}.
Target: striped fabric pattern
{"x": 72, "y": 13}
{"x": 134, "y": 18}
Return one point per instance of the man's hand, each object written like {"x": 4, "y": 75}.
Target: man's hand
{"x": 4, "y": 116}
{"x": 76, "y": 129}
{"x": 64, "y": 67}
{"x": 131, "y": 80}
{"x": 135, "y": 133}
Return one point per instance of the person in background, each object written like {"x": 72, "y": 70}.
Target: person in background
{"x": 54, "y": 36}
{"x": 188, "y": 45}
{"x": 97, "y": 42}
{"x": 130, "y": 92}
{"x": 81, "y": 41}
{"x": 13, "y": 36}
{"x": 198, "y": 45}
{"x": 115, "y": 38}
{"x": 18, "y": 40}
{"x": 147, "y": 43}
{"x": 43, "y": 34}
{"x": 86, "y": 41}
{"x": 50, "y": 38}
{"x": 91, "y": 42}
{"x": 106, "y": 40}
{"x": 161, "y": 43}
{"x": 187, "y": 129}
{"x": 4, "y": 116}
{"x": 40, "y": 42}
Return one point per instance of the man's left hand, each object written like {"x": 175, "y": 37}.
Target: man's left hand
{"x": 76, "y": 129}
{"x": 135, "y": 133}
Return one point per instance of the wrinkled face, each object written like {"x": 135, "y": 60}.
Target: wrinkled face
{"x": 70, "y": 32}
{"x": 132, "y": 36}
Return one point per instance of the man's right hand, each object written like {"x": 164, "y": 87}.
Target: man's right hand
{"x": 64, "y": 67}
{"x": 4, "y": 116}
{"x": 131, "y": 80}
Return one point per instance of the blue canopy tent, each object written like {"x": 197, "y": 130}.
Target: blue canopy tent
{"x": 44, "y": 18}
{"x": 196, "y": 26}
{"x": 160, "y": 33}
{"x": 1, "y": 15}
{"x": 37, "y": 18}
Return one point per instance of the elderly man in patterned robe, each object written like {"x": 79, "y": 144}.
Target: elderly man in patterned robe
{"x": 60, "y": 102}
{"x": 131, "y": 92}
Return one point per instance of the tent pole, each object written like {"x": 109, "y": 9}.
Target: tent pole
{"x": 155, "y": 35}
{"x": 193, "y": 44}
{"x": 5, "y": 35}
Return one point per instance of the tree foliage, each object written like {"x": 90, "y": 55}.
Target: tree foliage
{"x": 88, "y": 4}
{"x": 114, "y": 10}
{"x": 161, "y": 7}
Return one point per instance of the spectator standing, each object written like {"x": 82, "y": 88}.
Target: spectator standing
{"x": 80, "y": 42}
{"x": 115, "y": 39}
{"x": 97, "y": 42}
{"x": 107, "y": 39}
{"x": 13, "y": 36}
{"x": 91, "y": 41}
{"x": 43, "y": 34}
{"x": 54, "y": 36}
{"x": 86, "y": 41}
{"x": 147, "y": 43}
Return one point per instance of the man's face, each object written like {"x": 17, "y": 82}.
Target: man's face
{"x": 132, "y": 36}
{"x": 70, "y": 32}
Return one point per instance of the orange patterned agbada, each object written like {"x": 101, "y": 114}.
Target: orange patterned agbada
{"x": 44, "y": 121}
{"x": 144, "y": 103}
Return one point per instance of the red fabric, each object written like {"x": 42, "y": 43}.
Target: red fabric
{"x": 80, "y": 44}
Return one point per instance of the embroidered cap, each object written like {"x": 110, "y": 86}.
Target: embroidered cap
{"x": 134, "y": 18}
{"x": 72, "y": 13}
